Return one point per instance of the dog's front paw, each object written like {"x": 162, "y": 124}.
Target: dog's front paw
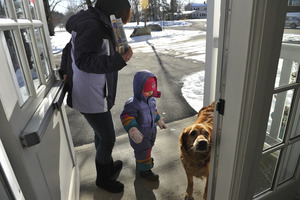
{"x": 188, "y": 197}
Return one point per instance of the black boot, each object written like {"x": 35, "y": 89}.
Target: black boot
{"x": 115, "y": 168}
{"x": 149, "y": 175}
{"x": 104, "y": 180}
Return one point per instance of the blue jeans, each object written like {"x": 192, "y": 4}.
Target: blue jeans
{"x": 104, "y": 137}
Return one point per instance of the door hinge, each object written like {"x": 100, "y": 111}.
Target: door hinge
{"x": 221, "y": 106}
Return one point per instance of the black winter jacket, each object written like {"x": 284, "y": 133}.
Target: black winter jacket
{"x": 94, "y": 52}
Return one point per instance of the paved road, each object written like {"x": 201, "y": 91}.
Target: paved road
{"x": 169, "y": 70}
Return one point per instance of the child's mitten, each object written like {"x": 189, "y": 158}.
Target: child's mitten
{"x": 135, "y": 135}
{"x": 161, "y": 124}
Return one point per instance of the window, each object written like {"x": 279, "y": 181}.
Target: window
{"x": 280, "y": 155}
{"x": 278, "y": 118}
{"x": 42, "y": 52}
{"x": 3, "y": 9}
{"x": 32, "y": 63}
{"x": 19, "y": 9}
{"x": 17, "y": 71}
{"x": 32, "y": 6}
{"x": 290, "y": 162}
{"x": 27, "y": 51}
{"x": 266, "y": 171}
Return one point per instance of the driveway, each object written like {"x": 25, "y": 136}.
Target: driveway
{"x": 169, "y": 70}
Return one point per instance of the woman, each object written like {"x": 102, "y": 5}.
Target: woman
{"x": 95, "y": 66}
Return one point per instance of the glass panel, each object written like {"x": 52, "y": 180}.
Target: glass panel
{"x": 42, "y": 52}
{"x": 292, "y": 28}
{"x": 287, "y": 71}
{"x": 19, "y": 9}
{"x": 290, "y": 162}
{"x": 30, "y": 57}
{"x": 294, "y": 2}
{"x": 296, "y": 124}
{"x": 266, "y": 172}
{"x": 18, "y": 72}
{"x": 32, "y": 6}
{"x": 279, "y": 113}
{"x": 3, "y": 9}
{"x": 292, "y": 21}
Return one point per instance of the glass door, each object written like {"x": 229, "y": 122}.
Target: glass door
{"x": 257, "y": 138}
{"x": 281, "y": 149}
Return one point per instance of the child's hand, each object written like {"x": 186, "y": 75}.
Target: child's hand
{"x": 135, "y": 135}
{"x": 161, "y": 124}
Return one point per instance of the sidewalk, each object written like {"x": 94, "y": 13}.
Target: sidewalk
{"x": 172, "y": 179}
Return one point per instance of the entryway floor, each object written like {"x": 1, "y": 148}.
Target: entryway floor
{"x": 172, "y": 179}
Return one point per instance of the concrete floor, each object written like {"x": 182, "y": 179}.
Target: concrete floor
{"x": 172, "y": 179}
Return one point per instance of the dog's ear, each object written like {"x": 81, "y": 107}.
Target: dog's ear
{"x": 210, "y": 129}
{"x": 183, "y": 140}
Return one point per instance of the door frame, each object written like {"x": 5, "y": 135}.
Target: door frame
{"x": 245, "y": 80}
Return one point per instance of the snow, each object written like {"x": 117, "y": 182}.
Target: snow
{"x": 61, "y": 38}
{"x": 170, "y": 41}
{"x": 175, "y": 42}
{"x": 166, "y": 41}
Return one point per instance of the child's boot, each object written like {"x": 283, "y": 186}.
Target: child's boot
{"x": 149, "y": 175}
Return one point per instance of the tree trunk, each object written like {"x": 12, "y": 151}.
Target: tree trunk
{"x": 137, "y": 15}
{"x": 49, "y": 17}
{"x": 145, "y": 16}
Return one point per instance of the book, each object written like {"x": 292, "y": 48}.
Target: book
{"x": 119, "y": 33}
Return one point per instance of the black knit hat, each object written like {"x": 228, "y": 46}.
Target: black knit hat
{"x": 109, "y": 7}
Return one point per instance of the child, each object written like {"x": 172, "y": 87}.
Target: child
{"x": 139, "y": 118}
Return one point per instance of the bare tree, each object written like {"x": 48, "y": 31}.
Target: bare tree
{"x": 90, "y": 2}
{"x": 82, "y": 4}
{"x": 49, "y": 17}
{"x": 53, "y": 4}
{"x": 182, "y": 4}
{"x": 173, "y": 7}
{"x": 57, "y": 18}
{"x": 154, "y": 10}
{"x": 135, "y": 10}
{"x": 164, "y": 8}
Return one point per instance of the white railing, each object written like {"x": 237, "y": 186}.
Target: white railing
{"x": 288, "y": 68}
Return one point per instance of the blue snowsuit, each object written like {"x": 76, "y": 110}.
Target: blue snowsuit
{"x": 141, "y": 112}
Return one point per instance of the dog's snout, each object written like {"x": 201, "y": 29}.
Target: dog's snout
{"x": 202, "y": 145}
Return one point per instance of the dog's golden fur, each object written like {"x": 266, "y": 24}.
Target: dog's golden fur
{"x": 195, "y": 145}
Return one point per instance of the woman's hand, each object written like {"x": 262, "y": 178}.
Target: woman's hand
{"x": 65, "y": 78}
{"x": 127, "y": 56}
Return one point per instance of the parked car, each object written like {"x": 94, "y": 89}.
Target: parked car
{"x": 292, "y": 21}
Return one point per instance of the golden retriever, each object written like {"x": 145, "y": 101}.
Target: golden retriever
{"x": 195, "y": 145}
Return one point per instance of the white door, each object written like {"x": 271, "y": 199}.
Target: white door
{"x": 257, "y": 139}
{"x": 34, "y": 127}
